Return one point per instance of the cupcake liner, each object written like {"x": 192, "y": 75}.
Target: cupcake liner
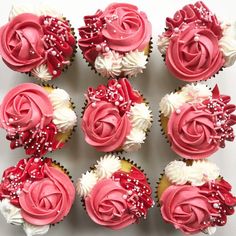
{"x": 61, "y": 167}
{"x": 119, "y": 152}
{"x": 157, "y": 192}
{"x": 92, "y": 68}
{"x": 70, "y": 132}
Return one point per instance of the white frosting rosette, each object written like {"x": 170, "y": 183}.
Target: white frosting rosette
{"x": 13, "y": 216}
{"x": 228, "y": 43}
{"x": 104, "y": 168}
{"x": 190, "y": 93}
{"x": 111, "y": 64}
{"x": 141, "y": 119}
{"x": 64, "y": 116}
{"x": 197, "y": 174}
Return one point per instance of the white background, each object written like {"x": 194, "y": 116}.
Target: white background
{"x": 77, "y": 156}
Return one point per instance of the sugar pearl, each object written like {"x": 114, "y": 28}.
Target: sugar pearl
{"x": 176, "y": 30}
{"x": 130, "y": 192}
{"x": 12, "y": 177}
{"x": 178, "y": 111}
{"x": 107, "y": 49}
{"x": 98, "y": 48}
{"x": 216, "y": 205}
{"x": 54, "y": 53}
{"x": 196, "y": 38}
{"x": 10, "y": 120}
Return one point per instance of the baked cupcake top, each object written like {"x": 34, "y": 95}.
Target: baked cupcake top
{"x": 37, "y": 40}
{"x": 197, "y": 121}
{"x": 38, "y": 118}
{"x": 35, "y": 194}
{"x": 115, "y": 117}
{"x": 194, "y": 197}
{"x": 116, "y": 193}
{"x": 196, "y": 45}
{"x": 116, "y": 41}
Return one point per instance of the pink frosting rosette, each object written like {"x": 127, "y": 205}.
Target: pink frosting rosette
{"x": 48, "y": 200}
{"x": 190, "y": 43}
{"x": 106, "y": 205}
{"x": 21, "y": 43}
{"x": 104, "y": 127}
{"x": 186, "y": 208}
{"x": 192, "y": 132}
{"x": 193, "y": 54}
{"x": 129, "y": 30}
{"x": 25, "y": 107}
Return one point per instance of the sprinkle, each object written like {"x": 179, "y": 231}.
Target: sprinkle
{"x": 178, "y": 111}
{"x": 98, "y": 47}
{"x": 12, "y": 177}
{"x": 130, "y": 192}
{"x": 54, "y": 53}
{"x": 196, "y": 38}
{"x": 107, "y": 49}
{"x": 176, "y": 30}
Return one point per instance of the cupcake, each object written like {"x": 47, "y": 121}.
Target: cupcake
{"x": 116, "y": 42}
{"x": 37, "y": 40}
{"x": 197, "y": 121}
{"x": 194, "y": 197}
{"x": 35, "y": 194}
{"x": 116, "y": 117}
{"x": 195, "y": 45}
{"x": 115, "y": 193}
{"x": 38, "y": 118}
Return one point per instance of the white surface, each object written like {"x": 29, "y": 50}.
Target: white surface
{"x": 77, "y": 156}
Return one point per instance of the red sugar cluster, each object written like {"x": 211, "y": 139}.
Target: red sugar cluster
{"x": 119, "y": 92}
{"x": 138, "y": 191}
{"x": 59, "y": 44}
{"x": 222, "y": 111}
{"x": 14, "y": 178}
